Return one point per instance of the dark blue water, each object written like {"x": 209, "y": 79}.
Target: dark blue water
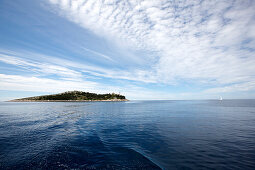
{"x": 128, "y": 135}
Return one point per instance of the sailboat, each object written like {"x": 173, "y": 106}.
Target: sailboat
{"x": 220, "y": 98}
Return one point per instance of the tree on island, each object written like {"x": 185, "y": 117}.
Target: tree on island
{"x": 76, "y": 95}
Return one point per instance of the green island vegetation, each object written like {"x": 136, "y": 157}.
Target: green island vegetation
{"x": 76, "y": 96}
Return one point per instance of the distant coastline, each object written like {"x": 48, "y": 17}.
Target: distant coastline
{"x": 74, "y": 96}
{"x": 111, "y": 100}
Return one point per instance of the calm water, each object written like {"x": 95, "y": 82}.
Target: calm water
{"x": 128, "y": 135}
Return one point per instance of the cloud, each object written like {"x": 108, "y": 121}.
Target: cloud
{"x": 40, "y": 67}
{"x": 208, "y": 45}
{"x": 45, "y": 65}
{"x": 37, "y": 84}
{"x": 247, "y": 86}
{"x": 99, "y": 54}
{"x": 207, "y": 42}
{"x": 31, "y": 83}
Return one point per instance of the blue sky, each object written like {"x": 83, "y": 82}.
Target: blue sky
{"x": 142, "y": 49}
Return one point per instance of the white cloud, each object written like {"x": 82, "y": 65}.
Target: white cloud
{"x": 66, "y": 69}
{"x": 36, "y": 84}
{"x": 99, "y": 54}
{"x": 39, "y": 67}
{"x": 208, "y": 43}
{"x": 31, "y": 83}
{"x": 247, "y": 86}
{"x": 194, "y": 41}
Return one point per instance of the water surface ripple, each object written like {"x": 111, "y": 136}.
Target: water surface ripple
{"x": 128, "y": 135}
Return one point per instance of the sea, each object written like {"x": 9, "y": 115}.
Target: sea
{"x": 167, "y": 134}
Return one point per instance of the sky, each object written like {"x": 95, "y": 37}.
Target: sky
{"x": 145, "y": 50}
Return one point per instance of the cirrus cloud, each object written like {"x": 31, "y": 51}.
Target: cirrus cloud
{"x": 207, "y": 42}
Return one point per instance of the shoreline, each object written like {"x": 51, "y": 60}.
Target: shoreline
{"x": 112, "y": 100}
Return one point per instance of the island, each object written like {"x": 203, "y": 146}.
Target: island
{"x": 73, "y": 96}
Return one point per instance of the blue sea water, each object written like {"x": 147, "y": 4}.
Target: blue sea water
{"x": 207, "y": 134}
